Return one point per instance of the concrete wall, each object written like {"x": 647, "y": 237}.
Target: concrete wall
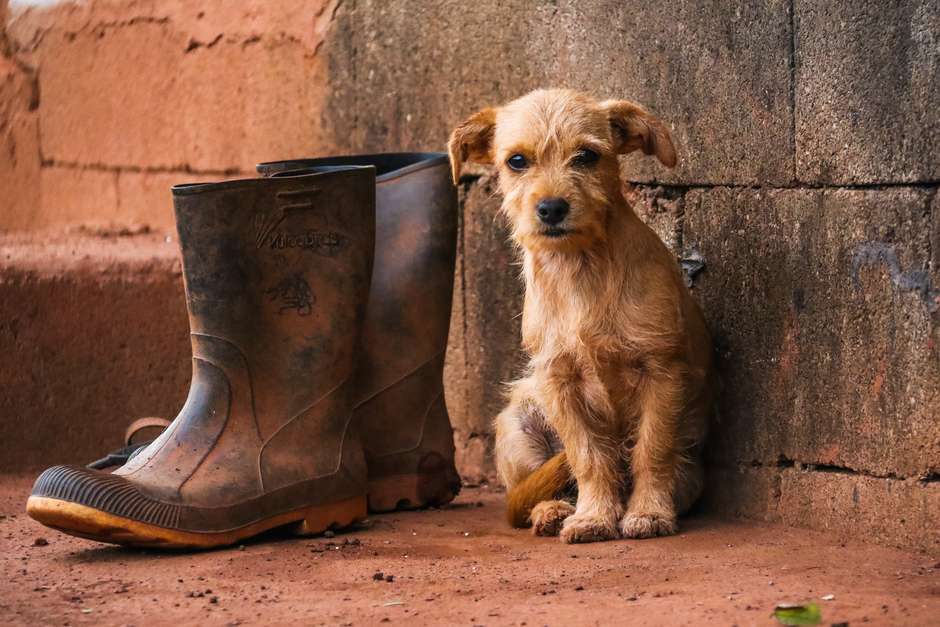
{"x": 808, "y": 181}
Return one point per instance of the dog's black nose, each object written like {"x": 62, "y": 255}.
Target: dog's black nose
{"x": 552, "y": 211}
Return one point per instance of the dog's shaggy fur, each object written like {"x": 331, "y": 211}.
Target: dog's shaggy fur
{"x": 618, "y": 388}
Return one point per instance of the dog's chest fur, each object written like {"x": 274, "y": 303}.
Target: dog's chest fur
{"x": 576, "y": 330}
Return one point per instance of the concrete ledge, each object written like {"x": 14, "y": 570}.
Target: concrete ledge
{"x": 893, "y": 512}
{"x": 96, "y": 334}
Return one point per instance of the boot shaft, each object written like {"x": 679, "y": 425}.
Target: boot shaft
{"x": 280, "y": 270}
{"x": 399, "y": 392}
{"x": 408, "y": 317}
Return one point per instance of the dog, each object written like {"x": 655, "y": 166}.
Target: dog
{"x": 616, "y": 397}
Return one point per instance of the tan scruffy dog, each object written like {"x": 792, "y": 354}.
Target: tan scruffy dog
{"x": 618, "y": 388}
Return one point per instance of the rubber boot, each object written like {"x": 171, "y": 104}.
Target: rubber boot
{"x": 277, "y": 274}
{"x": 399, "y": 394}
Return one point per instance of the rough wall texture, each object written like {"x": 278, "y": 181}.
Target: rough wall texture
{"x": 19, "y": 133}
{"x": 808, "y": 180}
{"x": 131, "y": 96}
{"x": 866, "y": 91}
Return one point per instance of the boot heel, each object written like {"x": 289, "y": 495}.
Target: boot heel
{"x": 421, "y": 477}
{"x": 411, "y": 491}
{"x": 318, "y": 519}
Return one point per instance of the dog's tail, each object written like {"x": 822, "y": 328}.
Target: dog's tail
{"x": 549, "y": 481}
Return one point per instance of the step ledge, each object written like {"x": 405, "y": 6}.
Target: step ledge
{"x": 56, "y": 255}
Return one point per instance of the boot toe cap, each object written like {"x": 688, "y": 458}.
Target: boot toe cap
{"x": 61, "y": 486}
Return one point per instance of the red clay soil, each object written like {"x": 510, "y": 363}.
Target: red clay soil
{"x": 460, "y": 565}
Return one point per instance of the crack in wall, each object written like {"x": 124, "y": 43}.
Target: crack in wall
{"x": 930, "y": 185}
{"x": 932, "y": 265}
{"x": 785, "y": 463}
{"x": 195, "y": 44}
{"x": 183, "y": 168}
{"x": 102, "y": 27}
{"x": 321, "y": 27}
{"x": 792, "y": 88}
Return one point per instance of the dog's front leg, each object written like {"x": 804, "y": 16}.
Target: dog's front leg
{"x": 580, "y": 411}
{"x": 654, "y": 459}
{"x": 595, "y": 469}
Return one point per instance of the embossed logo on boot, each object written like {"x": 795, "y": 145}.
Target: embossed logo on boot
{"x": 292, "y": 293}
{"x": 326, "y": 243}
{"x": 270, "y": 231}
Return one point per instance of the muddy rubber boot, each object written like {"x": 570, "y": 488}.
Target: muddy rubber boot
{"x": 399, "y": 395}
{"x": 277, "y": 274}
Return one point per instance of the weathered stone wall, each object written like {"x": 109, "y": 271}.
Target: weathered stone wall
{"x": 808, "y": 180}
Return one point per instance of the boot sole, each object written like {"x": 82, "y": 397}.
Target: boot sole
{"x": 412, "y": 491}
{"x": 92, "y": 524}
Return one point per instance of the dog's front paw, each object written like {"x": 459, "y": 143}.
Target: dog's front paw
{"x": 647, "y": 525}
{"x": 578, "y": 529}
{"x": 548, "y": 516}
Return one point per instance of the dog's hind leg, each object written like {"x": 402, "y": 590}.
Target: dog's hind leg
{"x": 531, "y": 465}
{"x": 548, "y": 516}
{"x": 524, "y": 439}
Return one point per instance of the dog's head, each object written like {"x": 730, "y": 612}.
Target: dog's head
{"x": 556, "y": 154}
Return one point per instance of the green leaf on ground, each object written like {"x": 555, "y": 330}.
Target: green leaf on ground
{"x": 798, "y": 614}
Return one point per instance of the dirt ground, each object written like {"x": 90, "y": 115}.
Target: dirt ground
{"x": 460, "y": 565}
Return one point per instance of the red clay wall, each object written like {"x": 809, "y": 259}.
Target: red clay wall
{"x": 119, "y": 100}
{"x": 808, "y": 180}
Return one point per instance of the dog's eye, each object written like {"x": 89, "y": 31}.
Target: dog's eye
{"x": 585, "y": 157}
{"x": 517, "y": 163}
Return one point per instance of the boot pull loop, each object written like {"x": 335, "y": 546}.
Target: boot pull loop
{"x": 288, "y": 201}
{"x": 149, "y": 422}
{"x": 296, "y": 199}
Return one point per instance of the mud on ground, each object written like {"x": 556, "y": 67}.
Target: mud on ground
{"x": 460, "y": 565}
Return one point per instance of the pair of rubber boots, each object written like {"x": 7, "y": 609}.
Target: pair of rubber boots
{"x": 319, "y": 301}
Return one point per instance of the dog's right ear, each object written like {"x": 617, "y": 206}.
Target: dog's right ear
{"x": 472, "y": 141}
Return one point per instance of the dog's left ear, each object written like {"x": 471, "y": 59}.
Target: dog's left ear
{"x": 635, "y": 129}
{"x": 472, "y": 141}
